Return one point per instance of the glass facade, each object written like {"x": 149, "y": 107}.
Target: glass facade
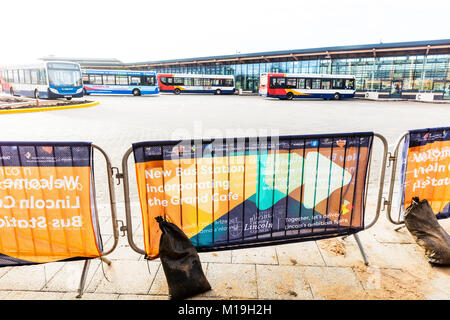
{"x": 415, "y": 73}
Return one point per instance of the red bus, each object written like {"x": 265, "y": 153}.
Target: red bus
{"x": 288, "y": 86}
{"x": 196, "y": 83}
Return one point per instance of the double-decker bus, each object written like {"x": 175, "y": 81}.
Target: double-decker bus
{"x": 119, "y": 82}
{"x": 196, "y": 83}
{"x": 50, "y": 79}
{"x": 288, "y": 86}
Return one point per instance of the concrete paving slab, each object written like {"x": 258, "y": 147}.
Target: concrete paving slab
{"x": 37, "y": 295}
{"x": 220, "y": 256}
{"x": 123, "y": 251}
{"x": 262, "y": 255}
{"x": 4, "y": 270}
{"x": 67, "y": 279}
{"x": 282, "y": 282}
{"x": 337, "y": 283}
{"x": 337, "y": 252}
{"x": 97, "y": 296}
{"x": 159, "y": 285}
{"x": 391, "y": 284}
{"x": 29, "y": 277}
{"x": 232, "y": 280}
{"x": 300, "y": 254}
{"x": 125, "y": 277}
{"x": 106, "y": 227}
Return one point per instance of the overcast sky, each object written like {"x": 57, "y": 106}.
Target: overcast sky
{"x": 134, "y": 31}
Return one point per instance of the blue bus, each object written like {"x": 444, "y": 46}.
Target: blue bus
{"x": 119, "y": 82}
{"x": 51, "y": 80}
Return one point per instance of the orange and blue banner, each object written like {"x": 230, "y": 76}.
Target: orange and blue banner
{"x": 47, "y": 203}
{"x": 426, "y": 169}
{"x": 245, "y": 192}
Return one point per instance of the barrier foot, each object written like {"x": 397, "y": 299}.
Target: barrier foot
{"x": 83, "y": 278}
{"x": 105, "y": 260}
{"x": 361, "y": 249}
{"x": 398, "y": 228}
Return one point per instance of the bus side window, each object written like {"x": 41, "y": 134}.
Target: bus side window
{"x": 178, "y": 81}
{"x": 169, "y": 80}
{"x": 338, "y": 84}
{"x": 326, "y": 84}
{"x": 109, "y": 80}
{"x": 188, "y": 81}
{"x": 86, "y": 79}
{"x": 148, "y": 80}
{"x": 198, "y": 82}
{"x": 273, "y": 83}
{"x": 300, "y": 83}
{"x": 315, "y": 84}
{"x": 207, "y": 82}
{"x": 122, "y": 80}
{"x": 278, "y": 83}
{"x": 291, "y": 83}
{"x": 135, "y": 81}
{"x": 350, "y": 84}
{"x": 16, "y": 76}
{"x": 21, "y": 76}
{"x": 95, "y": 79}
{"x": 308, "y": 83}
{"x": 27, "y": 74}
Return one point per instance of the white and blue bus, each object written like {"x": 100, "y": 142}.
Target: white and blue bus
{"x": 119, "y": 82}
{"x": 50, "y": 79}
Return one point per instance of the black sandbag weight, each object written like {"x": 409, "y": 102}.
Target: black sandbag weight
{"x": 423, "y": 225}
{"x": 181, "y": 263}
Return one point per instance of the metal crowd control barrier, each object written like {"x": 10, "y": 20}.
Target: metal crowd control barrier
{"x": 417, "y": 148}
{"x": 248, "y": 192}
{"x": 48, "y": 205}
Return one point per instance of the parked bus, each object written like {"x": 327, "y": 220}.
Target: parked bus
{"x": 196, "y": 83}
{"x": 50, "y": 79}
{"x": 120, "y": 82}
{"x": 289, "y": 86}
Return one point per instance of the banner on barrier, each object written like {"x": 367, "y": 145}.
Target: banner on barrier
{"x": 240, "y": 192}
{"x": 47, "y": 204}
{"x": 426, "y": 169}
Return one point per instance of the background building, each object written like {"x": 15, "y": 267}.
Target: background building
{"x": 400, "y": 69}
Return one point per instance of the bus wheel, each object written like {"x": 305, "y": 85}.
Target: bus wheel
{"x": 136, "y": 92}
{"x": 36, "y": 94}
{"x": 289, "y": 96}
{"x": 85, "y": 93}
{"x": 218, "y": 91}
{"x": 69, "y": 98}
{"x": 176, "y": 91}
{"x": 11, "y": 91}
{"x": 336, "y": 96}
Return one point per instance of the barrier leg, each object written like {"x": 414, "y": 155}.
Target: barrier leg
{"x": 83, "y": 277}
{"x": 105, "y": 260}
{"x": 361, "y": 249}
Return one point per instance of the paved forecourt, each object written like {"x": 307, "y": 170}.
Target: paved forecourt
{"x": 325, "y": 269}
